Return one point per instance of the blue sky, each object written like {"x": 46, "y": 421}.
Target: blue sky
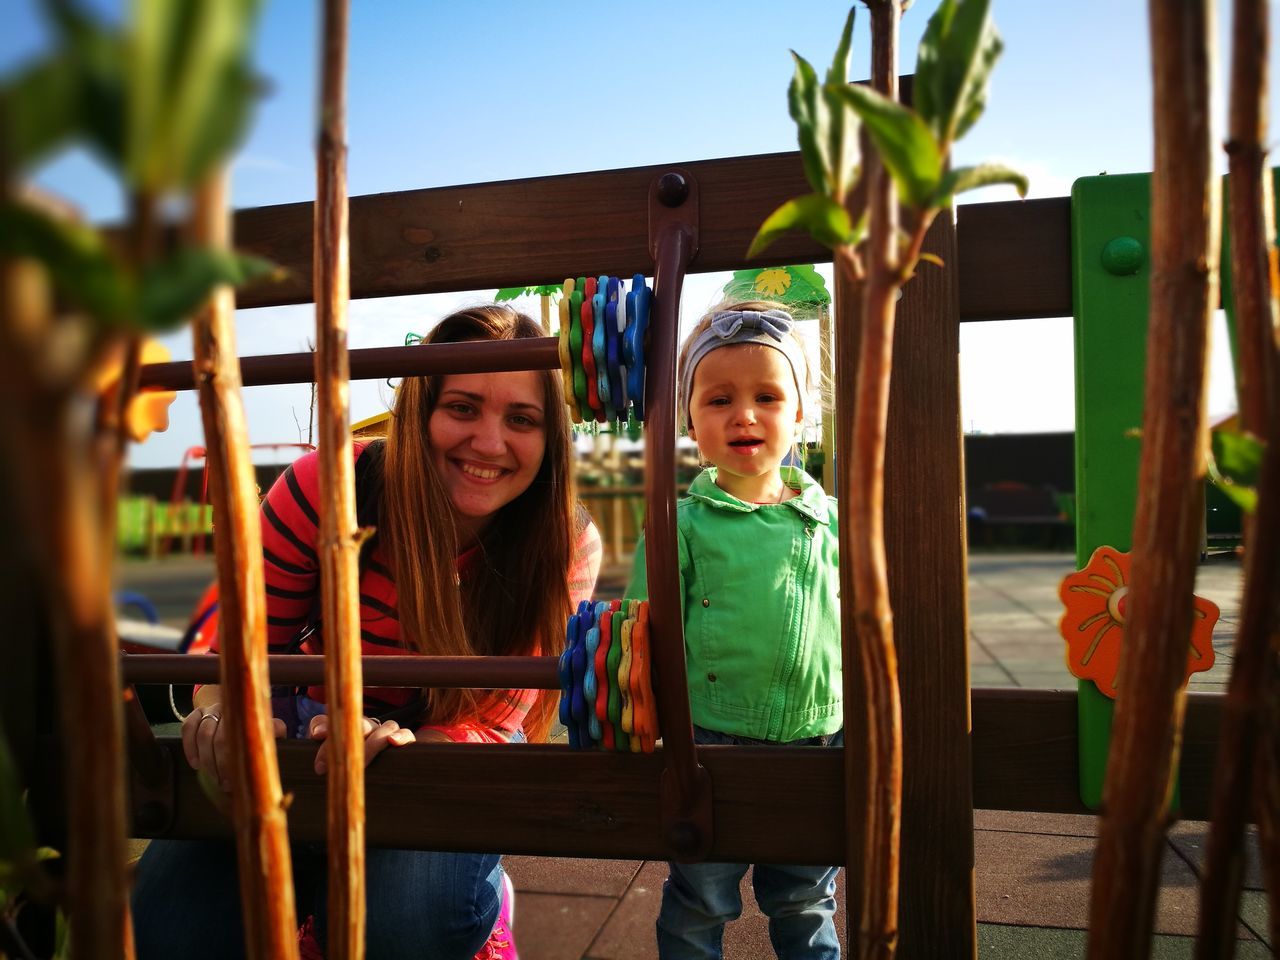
{"x": 449, "y": 93}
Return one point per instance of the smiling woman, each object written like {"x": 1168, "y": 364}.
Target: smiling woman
{"x": 488, "y": 437}
{"x": 480, "y": 548}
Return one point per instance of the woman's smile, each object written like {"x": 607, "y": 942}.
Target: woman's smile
{"x": 479, "y": 472}
{"x": 487, "y": 435}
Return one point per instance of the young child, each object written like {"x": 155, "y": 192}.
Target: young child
{"x": 759, "y": 584}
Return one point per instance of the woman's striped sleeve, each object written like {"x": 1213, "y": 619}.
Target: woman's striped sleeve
{"x": 290, "y": 526}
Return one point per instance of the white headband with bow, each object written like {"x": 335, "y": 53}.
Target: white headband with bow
{"x": 768, "y": 328}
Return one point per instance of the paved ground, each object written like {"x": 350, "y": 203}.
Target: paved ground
{"x": 1032, "y": 870}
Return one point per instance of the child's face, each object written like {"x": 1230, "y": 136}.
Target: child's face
{"x": 743, "y": 411}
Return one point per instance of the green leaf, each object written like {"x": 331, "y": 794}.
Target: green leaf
{"x": 62, "y": 937}
{"x": 40, "y": 111}
{"x": 824, "y": 219}
{"x": 963, "y": 179}
{"x": 191, "y": 88}
{"x": 17, "y": 839}
{"x": 552, "y": 290}
{"x": 99, "y": 56}
{"x": 81, "y": 267}
{"x": 905, "y": 144}
{"x": 959, "y": 48}
{"x": 810, "y": 112}
{"x": 842, "y": 153}
{"x": 176, "y": 286}
{"x": 1235, "y": 462}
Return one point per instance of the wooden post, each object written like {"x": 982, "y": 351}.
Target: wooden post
{"x": 1184, "y": 293}
{"x": 1253, "y": 674}
{"x": 338, "y": 546}
{"x": 257, "y": 802}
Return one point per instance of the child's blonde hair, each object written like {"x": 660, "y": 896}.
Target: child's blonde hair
{"x": 806, "y": 382}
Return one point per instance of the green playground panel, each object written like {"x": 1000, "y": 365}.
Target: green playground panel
{"x": 133, "y": 523}
{"x": 1110, "y": 233}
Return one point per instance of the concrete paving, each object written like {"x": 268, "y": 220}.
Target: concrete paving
{"x": 1032, "y": 871}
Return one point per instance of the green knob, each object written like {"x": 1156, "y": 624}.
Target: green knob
{"x": 1123, "y": 256}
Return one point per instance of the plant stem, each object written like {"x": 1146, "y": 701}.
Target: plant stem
{"x": 257, "y": 803}
{"x": 1251, "y": 209}
{"x": 862, "y": 532}
{"x": 65, "y": 477}
{"x": 1148, "y": 718}
{"x": 338, "y": 545}
{"x": 52, "y": 425}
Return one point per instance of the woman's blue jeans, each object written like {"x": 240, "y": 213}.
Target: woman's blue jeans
{"x": 186, "y": 901}
{"x": 698, "y": 899}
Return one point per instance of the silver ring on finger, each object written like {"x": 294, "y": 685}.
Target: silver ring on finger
{"x": 216, "y": 718}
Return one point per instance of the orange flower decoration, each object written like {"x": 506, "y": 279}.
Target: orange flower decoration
{"x": 1093, "y": 623}
{"x": 148, "y": 411}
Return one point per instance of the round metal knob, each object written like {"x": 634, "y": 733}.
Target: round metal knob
{"x": 673, "y": 189}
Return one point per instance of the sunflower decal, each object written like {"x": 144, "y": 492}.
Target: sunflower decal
{"x": 772, "y": 283}
{"x": 1093, "y": 622}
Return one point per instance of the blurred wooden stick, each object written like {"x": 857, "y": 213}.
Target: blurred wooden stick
{"x": 338, "y": 546}
{"x": 1146, "y": 734}
{"x": 257, "y": 803}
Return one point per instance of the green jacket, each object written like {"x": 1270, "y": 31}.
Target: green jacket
{"x": 759, "y": 587}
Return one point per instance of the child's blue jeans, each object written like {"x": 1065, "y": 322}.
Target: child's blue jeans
{"x": 698, "y": 899}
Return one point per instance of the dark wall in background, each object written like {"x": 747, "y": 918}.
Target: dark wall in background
{"x": 1036, "y": 459}
{"x": 159, "y": 483}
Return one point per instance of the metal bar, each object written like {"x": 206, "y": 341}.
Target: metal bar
{"x": 686, "y": 787}
{"x": 377, "y": 363}
{"x": 479, "y": 673}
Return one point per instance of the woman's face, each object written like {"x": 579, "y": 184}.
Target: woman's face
{"x": 487, "y": 436}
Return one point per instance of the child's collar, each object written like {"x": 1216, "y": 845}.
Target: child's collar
{"x": 812, "y": 501}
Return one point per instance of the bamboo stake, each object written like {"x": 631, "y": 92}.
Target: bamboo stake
{"x": 1148, "y": 718}
{"x": 867, "y": 622}
{"x": 338, "y": 545}
{"x": 257, "y": 803}
{"x": 1251, "y": 210}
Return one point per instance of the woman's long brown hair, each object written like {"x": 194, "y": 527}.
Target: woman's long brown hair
{"x": 515, "y": 597}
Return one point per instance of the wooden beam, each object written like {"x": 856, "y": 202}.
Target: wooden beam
{"x": 924, "y": 537}
{"x": 606, "y": 805}
{"x": 483, "y": 236}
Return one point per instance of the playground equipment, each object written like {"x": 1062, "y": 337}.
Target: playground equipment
{"x": 997, "y": 749}
{"x": 179, "y": 496}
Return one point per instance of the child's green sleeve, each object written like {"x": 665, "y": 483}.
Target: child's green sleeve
{"x": 638, "y": 585}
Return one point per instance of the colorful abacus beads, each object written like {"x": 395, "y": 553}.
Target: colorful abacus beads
{"x": 606, "y": 694}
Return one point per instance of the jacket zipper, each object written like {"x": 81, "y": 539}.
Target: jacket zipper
{"x": 781, "y": 696}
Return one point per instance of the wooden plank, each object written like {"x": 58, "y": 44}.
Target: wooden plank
{"x": 603, "y": 804}
{"x": 606, "y": 805}
{"x": 1014, "y": 257}
{"x": 1026, "y": 751}
{"x": 517, "y": 232}
{"x": 924, "y": 537}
